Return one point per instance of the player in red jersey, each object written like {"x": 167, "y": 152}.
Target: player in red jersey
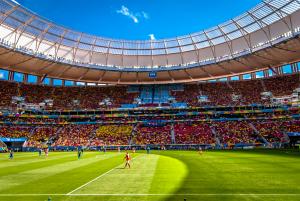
{"x": 46, "y": 150}
{"x": 127, "y": 158}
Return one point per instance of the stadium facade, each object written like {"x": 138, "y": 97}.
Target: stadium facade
{"x": 264, "y": 37}
{"x": 234, "y": 85}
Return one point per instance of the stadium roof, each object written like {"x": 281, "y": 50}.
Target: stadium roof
{"x": 267, "y": 25}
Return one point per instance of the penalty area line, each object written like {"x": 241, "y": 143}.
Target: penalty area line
{"x": 102, "y": 175}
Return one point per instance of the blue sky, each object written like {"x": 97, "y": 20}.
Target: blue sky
{"x": 137, "y": 19}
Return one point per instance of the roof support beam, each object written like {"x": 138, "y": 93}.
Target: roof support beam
{"x": 44, "y": 68}
{"x": 265, "y": 58}
{"x": 101, "y": 77}
{"x": 84, "y": 74}
{"x": 63, "y": 72}
{"x": 60, "y": 41}
{"x": 227, "y": 40}
{"x": 281, "y": 14}
{"x": 170, "y": 76}
{"x": 244, "y": 64}
{"x": 39, "y": 39}
{"x": 225, "y": 69}
{"x": 196, "y": 49}
{"x": 182, "y": 61}
{"x": 211, "y": 45}
{"x": 246, "y": 37}
{"x": 120, "y": 76}
{"x": 189, "y": 75}
{"x": 23, "y": 29}
{"x": 76, "y": 48}
{"x": 22, "y": 62}
{"x": 260, "y": 22}
{"x": 6, "y": 14}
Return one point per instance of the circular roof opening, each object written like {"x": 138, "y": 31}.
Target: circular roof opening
{"x": 140, "y": 20}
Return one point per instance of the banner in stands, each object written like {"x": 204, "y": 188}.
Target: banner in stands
{"x": 5, "y": 139}
{"x": 293, "y": 134}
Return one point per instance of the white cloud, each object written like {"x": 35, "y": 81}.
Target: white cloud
{"x": 145, "y": 15}
{"x": 125, "y": 11}
{"x": 1, "y": 75}
{"x": 134, "y": 16}
{"x": 152, "y": 37}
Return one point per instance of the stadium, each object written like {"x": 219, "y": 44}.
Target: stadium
{"x": 210, "y": 115}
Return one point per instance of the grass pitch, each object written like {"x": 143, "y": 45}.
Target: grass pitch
{"x": 161, "y": 175}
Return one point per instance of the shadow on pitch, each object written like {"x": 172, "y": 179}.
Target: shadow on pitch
{"x": 190, "y": 186}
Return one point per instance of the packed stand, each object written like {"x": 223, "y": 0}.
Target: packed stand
{"x": 113, "y": 135}
{"x": 77, "y": 97}
{"x": 40, "y": 136}
{"x": 234, "y": 132}
{"x": 292, "y": 126}
{"x": 193, "y": 133}
{"x": 249, "y": 91}
{"x": 157, "y": 135}
{"x": 15, "y": 131}
{"x": 7, "y": 91}
{"x": 74, "y": 135}
{"x": 272, "y": 131}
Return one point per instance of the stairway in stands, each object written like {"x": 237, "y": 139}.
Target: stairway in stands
{"x": 216, "y": 136}
{"x": 258, "y": 133}
{"x": 133, "y": 134}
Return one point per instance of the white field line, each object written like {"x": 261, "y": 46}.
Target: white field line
{"x": 163, "y": 194}
{"x": 91, "y": 181}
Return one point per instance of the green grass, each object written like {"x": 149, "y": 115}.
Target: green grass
{"x": 161, "y": 175}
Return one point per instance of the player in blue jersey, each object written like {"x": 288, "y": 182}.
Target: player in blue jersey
{"x": 40, "y": 152}
{"x": 79, "y": 152}
{"x": 11, "y": 154}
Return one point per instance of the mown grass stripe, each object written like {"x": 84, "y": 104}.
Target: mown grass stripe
{"x": 41, "y": 163}
{"x": 17, "y": 182}
{"x": 100, "y": 176}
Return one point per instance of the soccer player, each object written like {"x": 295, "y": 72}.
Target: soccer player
{"x": 200, "y": 151}
{"x": 11, "y": 154}
{"x": 79, "y": 153}
{"x": 127, "y": 158}
{"x": 46, "y": 151}
{"x": 148, "y": 150}
{"x": 40, "y": 152}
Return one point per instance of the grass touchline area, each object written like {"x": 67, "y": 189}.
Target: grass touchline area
{"x": 102, "y": 175}
{"x": 159, "y": 176}
{"x": 161, "y": 194}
